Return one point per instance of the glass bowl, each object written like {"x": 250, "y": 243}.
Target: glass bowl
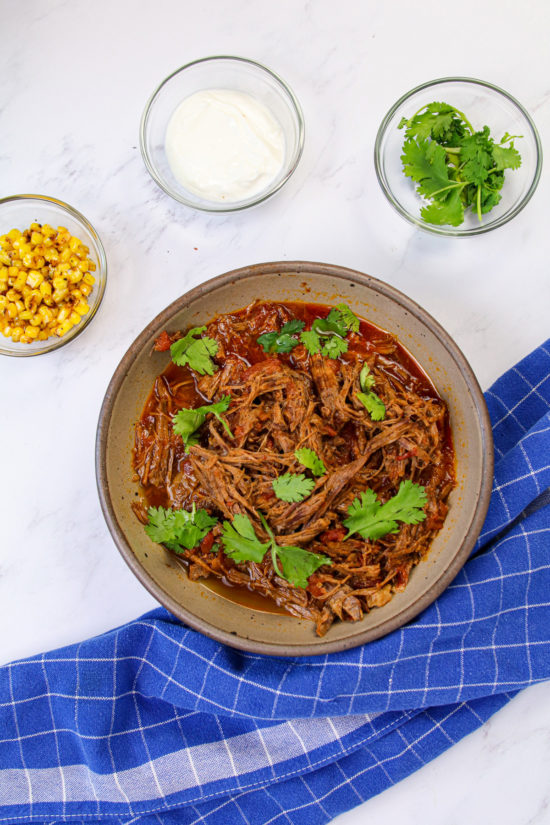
{"x": 483, "y": 104}
{"x": 18, "y": 212}
{"x": 237, "y": 74}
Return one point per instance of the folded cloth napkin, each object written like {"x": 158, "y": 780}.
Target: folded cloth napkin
{"x": 153, "y": 722}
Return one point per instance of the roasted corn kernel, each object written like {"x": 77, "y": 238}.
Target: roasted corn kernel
{"x": 45, "y": 279}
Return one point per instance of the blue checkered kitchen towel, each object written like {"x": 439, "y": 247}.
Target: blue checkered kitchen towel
{"x": 155, "y": 723}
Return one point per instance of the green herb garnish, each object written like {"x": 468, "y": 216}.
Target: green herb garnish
{"x": 454, "y": 166}
{"x": 196, "y": 352}
{"x": 373, "y": 403}
{"x": 327, "y": 335}
{"x": 186, "y": 422}
{"x": 372, "y": 520}
{"x": 283, "y": 341}
{"x": 311, "y": 460}
{"x": 293, "y": 486}
{"x": 291, "y": 563}
{"x": 179, "y": 530}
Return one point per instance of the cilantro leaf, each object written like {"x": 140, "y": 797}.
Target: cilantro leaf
{"x": 334, "y": 346}
{"x": 311, "y": 341}
{"x": 440, "y": 121}
{"x": 372, "y": 520}
{"x": 476, "y": 156}
{"x": 370, "y": 400}
{"x": 311, "y": 460}
{"x": 186, "y": 422}
{"x": 373, "y": 404}
{"x": 297, "y": 564}
{"x": 349, "y": 318}
{"x": 449, "y": 211}
{"x": 293, "y": 486}
{"x": 283, "y": 341}
{"x": 333, "y": 323}
{"x": 179, "y": 530}
{"x": 366, "y": 378}
{"x": 426, "y": 163}
{"x": 240, "y": 542}
{"x": 197, "y": 352}
{"x": 506, "y": 157}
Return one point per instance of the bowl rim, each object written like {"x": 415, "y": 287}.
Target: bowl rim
{"x": 240, "y": 205}
{"x": 446, "y": 231}
{"x": 101, "y": 281}
{"x": 200, "y": 624}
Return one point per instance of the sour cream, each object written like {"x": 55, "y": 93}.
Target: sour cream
{"x": 224, "y": 145}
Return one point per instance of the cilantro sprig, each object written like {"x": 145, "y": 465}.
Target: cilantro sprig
{"x": 196, "y": 352}
{"x": 455, "y": 167}
{"x": 327, "y": 335}
{"x": 309, "y": 459}
{"x": 370, "y": 400}
{"x": 294, "y": 564}
{"x": 292, "y": 487}
{"x": 186, "y": 422}
{"x": 283, "y": 341}
{"x": 179, "y": 530}
{"x": 372, "y": 520}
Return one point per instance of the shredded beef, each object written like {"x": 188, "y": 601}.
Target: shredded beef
{"x": 280, "y": 403}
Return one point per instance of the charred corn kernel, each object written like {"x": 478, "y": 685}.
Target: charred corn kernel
{"x": 11, "y": 310}
{"x": 63, "y": 328}
{"x": 46, "y": 314}
{"x": 27, "y": 259}
{"x": 35, "y": 226}
{"x": 59, "y": 283}
{"x": 3, "y": 302}
{"x": 65, "y": 254}
{"x": 31, "y": 332}
{"x": 36, "y": 320}
{"x": 36, "y": 237}
{"x": 46, "y": 288}
{"x": 88, "y": 279}
{"x": 33, "y": 300}
{"x": 43, "y": 335}
{"x": 5, "y": 258}
{"x": 63, "y": 267}
{"x": 26, "y": 315}
{"x": 74, "y": 317}
{"x": 13, "y": 295}
{"x": 60, "y": 295}
{"x": 75, "y": 276}
{"x": 34, "y": 278}
{"x": 74, "y": 243}
{"x": 47, "y": 230}
{"x": 20, "y": 279}
{"x": 7, "y": 330}
{"x": 19, "y": 305}
{"x": 13, "y": 271}
{"x": 73, "y": 260}
{"x": 91, "y": 266}
{"x": 48, "y": 300}
{"x": 14, "y": 234}
{"x": 83, "y": 266}
{"x": 63, "y": 314}
{"x": 16, "y": 334}
{"x": 76, "y": 295}
{"x": 25, "y": 339}
{"x": 85, "y": 289}
{"x": 82, "y": 308}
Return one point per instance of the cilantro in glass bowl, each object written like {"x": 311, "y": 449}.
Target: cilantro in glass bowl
{"x": 458, "y": 156}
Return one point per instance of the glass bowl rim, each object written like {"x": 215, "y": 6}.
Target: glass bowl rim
{"x": 101, "y": 279}
{"x": 450, "y": 232}
{"x": 295, "y": 104}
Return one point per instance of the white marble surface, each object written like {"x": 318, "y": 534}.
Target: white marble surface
{"x": 75, "y": 76}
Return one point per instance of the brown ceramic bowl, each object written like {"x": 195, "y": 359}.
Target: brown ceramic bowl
{"x": 211, "y": 613}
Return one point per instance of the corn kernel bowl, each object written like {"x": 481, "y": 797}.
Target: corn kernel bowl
{"x": 52, "y": 277}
